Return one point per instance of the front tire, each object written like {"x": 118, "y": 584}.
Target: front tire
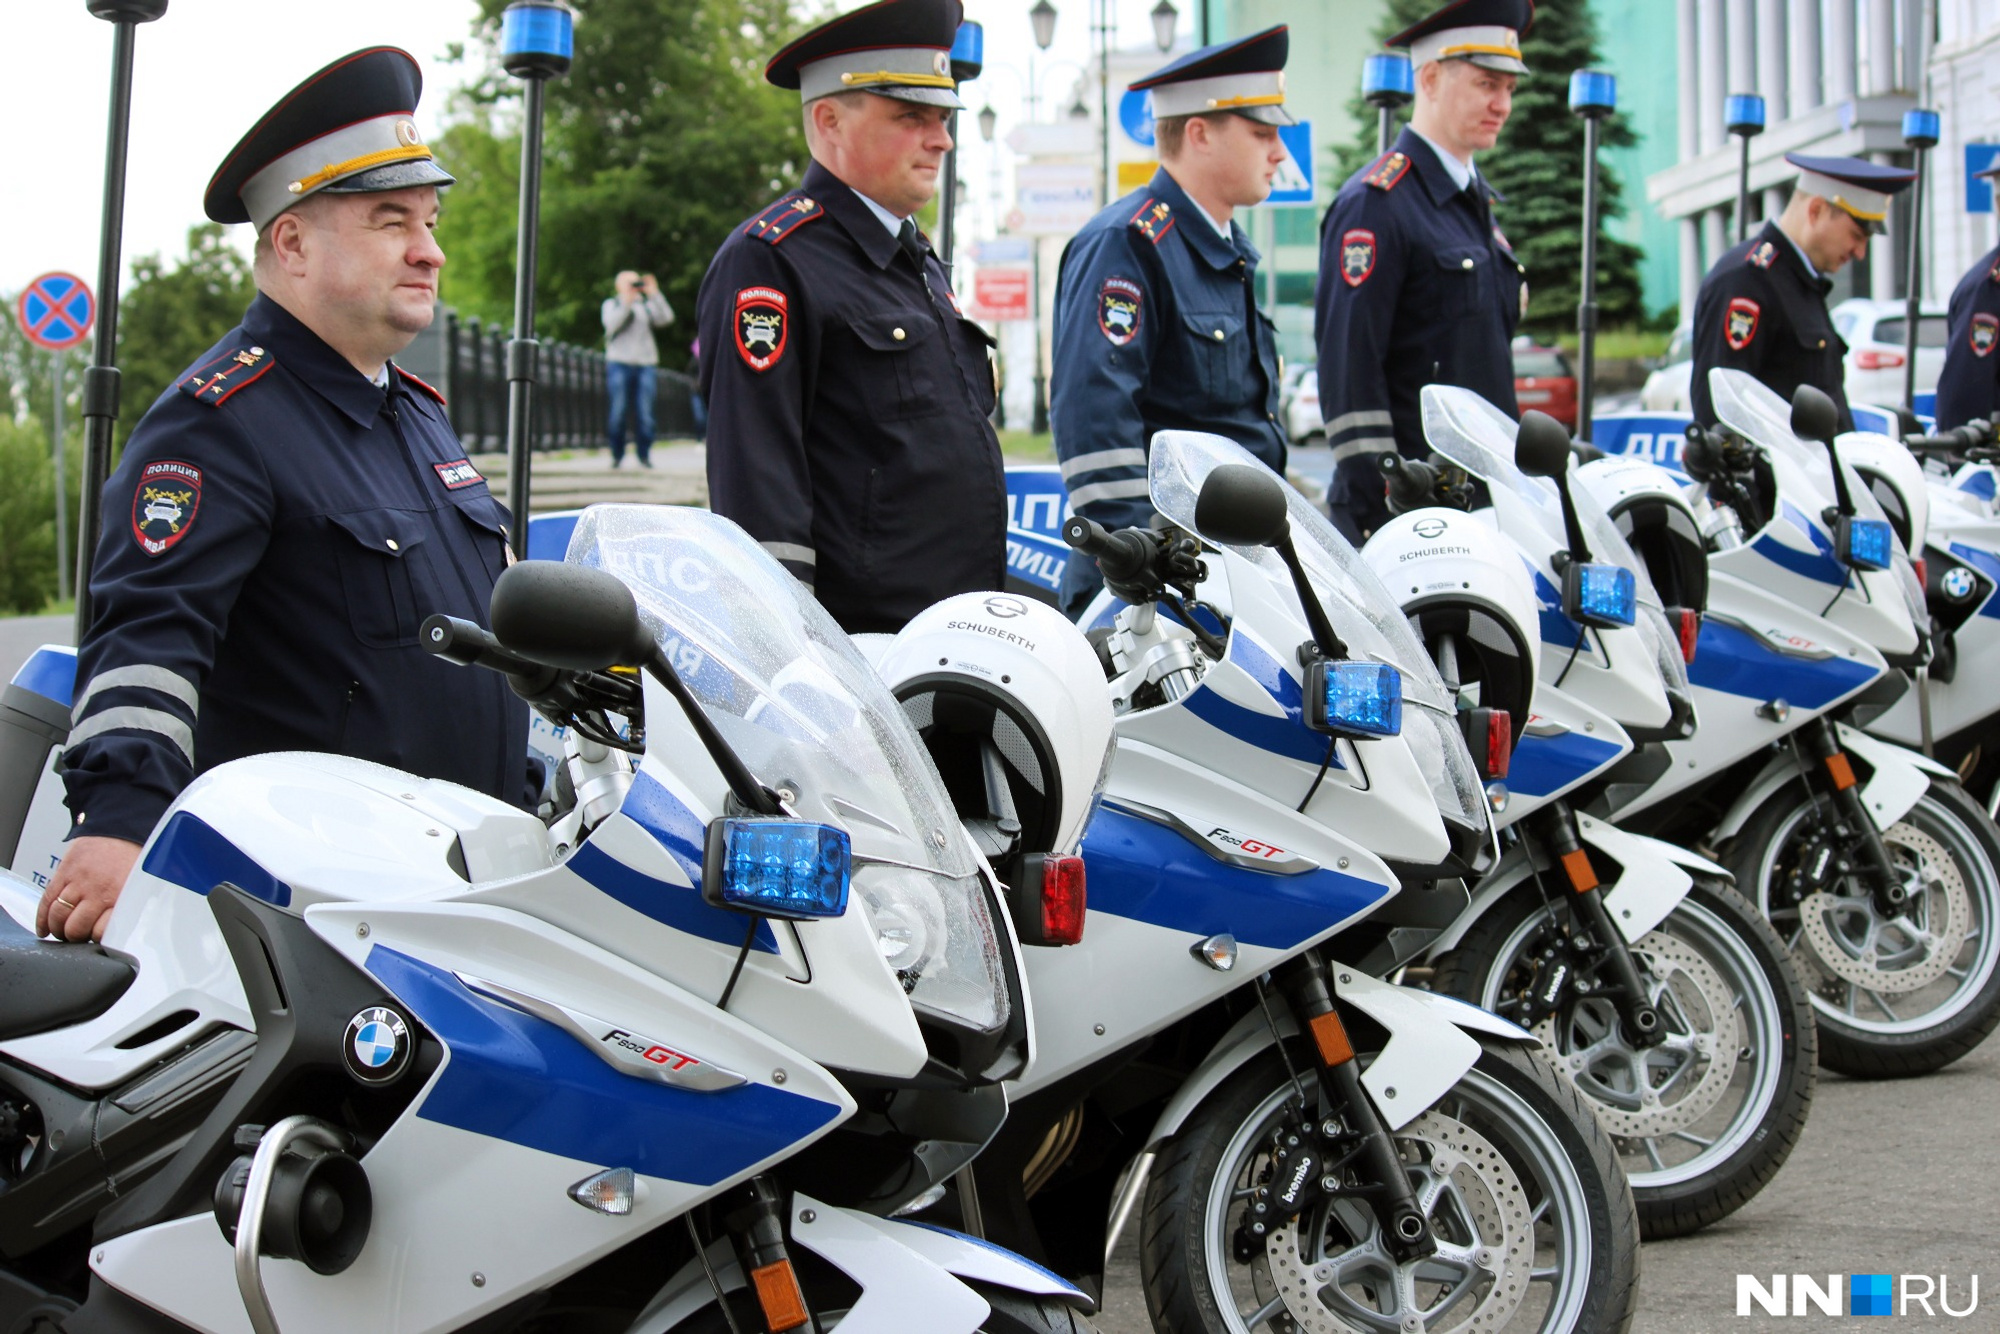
{"x": 1534, "y": 1217}
{"x": 1704, "y": 1120}
{"x": 1012, "y": 1313}
{"x": 1893, "y": 997}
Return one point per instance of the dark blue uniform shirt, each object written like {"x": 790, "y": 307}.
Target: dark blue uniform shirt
{"x": 1417, "y": 285}
{"x": 1969, "y": 386}
{"x": 1156, "y": 329}
{"x": 1761, "y": 309}
{"x": 848, "y": 399}
{"x": 275, "y": 533}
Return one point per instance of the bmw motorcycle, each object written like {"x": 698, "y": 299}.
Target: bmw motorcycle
{"x": 366, "y": 1051}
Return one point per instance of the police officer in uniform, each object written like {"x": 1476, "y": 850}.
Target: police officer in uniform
{"x": 1156, "y": 319}
{"x": 1417, "y": 283}
{"x": 1968, "y": 388}
{"x": 290, "y": 510}
{"x": 847, "y": 393}
{"x": 1762, "y": 308}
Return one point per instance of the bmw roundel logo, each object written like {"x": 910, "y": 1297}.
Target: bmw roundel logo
{"x": 1958, "y": 583}
{"x": 1429, "y": 529}
{"x": 378, "y": 1045}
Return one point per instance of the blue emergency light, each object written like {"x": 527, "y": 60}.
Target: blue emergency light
{"x": 537, "y": 39}
{"x": 1743, "y": 113}
{"x": 1354, "y": 699}
{"x": 1592, "y": 92}
{"x": 1921, "y": 128}
{"x": 968, "y": 51}
{"x": 1605, "y": 596}
{"x": 1388, "y": 78}
{"x": 1865, "y": 544}
{"x": 777, "y": 867}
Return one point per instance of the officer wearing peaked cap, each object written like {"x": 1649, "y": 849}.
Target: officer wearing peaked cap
{"x": 1968, "y": 389}
{"x": 1418, "y": 284}
{"x": 847, "y": 393}
{"x": 1156, "y": 319}
{"x": 286, "y": 514}
{"x": 1762, "y": 308}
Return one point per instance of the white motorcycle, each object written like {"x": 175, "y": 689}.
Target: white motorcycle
{"x": 621, "y": 1072}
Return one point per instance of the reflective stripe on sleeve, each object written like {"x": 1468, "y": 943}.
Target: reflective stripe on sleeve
{"x": 142, "y": 676}
{"x": 156, "y": 721}
{"x": 1348, "y": 449}
{"x": 1348, "y": 421}
{"x": 1103, "y": 458}
{"x": 792, "y": 551}
{"x": 1134, "y": 489}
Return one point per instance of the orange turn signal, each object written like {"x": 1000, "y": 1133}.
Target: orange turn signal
{"x": 1331, "y": 1036}
{"x": 1576, "y": 865}
{"x": 778, "y": 1293}
{"x": 1842, "y": 771}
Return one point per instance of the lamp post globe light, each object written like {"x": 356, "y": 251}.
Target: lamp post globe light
{"x": 1165, "y": 19}
{"x": 989, "y": 120}
{"x": 1042, "y": 18}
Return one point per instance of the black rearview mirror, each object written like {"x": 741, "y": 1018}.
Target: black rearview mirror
{"x": 1814, "y": 417}
{"x": 1241, "y": 506}
{"x": 1541, "y": 449}
{"x": 568, "y": 616}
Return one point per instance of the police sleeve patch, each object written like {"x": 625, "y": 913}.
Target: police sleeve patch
{"x": 1357, "y": 256}
{"x": 1740, "y": 322}
{"x": 1984, "y": 334}
{"x": 164, "y": 505}
{"x": 761, "y": 327}
{"x": 1118, "y": 303}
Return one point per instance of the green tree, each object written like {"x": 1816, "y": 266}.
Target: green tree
{"x": 168, "y": 317}
{"x": 661, "y": 138}
{"x": 1538, "y": 166}
{"x": 27, "y": 517}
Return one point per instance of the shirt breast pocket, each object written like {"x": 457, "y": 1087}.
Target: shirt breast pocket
{"x": 487, "y": 521}
{"x": 894, "y": 363}
{"x": 1465, "y": 280}
{"x": 1220, "y": 351}
{"x": 373, "y": 550}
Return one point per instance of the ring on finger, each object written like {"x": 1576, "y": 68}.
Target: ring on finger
{"x": 64, "y": 902}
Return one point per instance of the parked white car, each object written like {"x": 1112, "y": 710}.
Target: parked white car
{"x": 1300, "y": 408}
{"x": 1874, "y": 364}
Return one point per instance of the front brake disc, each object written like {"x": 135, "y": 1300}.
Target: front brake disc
{"x": 1899, "y": 956}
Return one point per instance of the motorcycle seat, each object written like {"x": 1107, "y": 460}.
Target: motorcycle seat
{"x": 47, "y": 984}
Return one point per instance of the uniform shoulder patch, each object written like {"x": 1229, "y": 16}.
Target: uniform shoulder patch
{"x": 214, "y": 381}
{"x": 1153, "y": 220}
{"x": 1390, "y": 168}
{"x": 428, "y": 389}
{"x": 1762, "y": 254}
{"x": 783, "y": 218}
{"x": 1357, "y": 256}
{"x": 762, "y": 322}
{"x": 1740, "y": 322}
{"x": 1119, "y": 304}
{"x": 164, "y": 504}
{"x": 1984, "y": 334}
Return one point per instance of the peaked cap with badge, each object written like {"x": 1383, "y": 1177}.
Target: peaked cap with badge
{"x": 279, "y": 525}
{"x": 1486, "y": 33}
{"x": 1156, "y": 319}
{"x": 1855, "y": 185}
{"x": 348, "y": 129}
{"x": 1419, "y": 283}
{"x": 894, "y": 48}
{"x": 848, "y": 395}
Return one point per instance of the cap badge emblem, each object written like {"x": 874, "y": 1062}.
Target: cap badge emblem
{"x": 406, "y": 134}
{"x": 941, "y": 63}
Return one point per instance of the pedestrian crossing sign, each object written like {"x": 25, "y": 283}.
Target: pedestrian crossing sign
{"x": 1294, "y": 182}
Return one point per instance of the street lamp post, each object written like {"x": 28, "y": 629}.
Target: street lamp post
{"x": 1920, "y": 133}
{"x": 1388, "y": 84}
{"x": 1743, "y": 113}
{"x": 100, "y": 382}
{"x": 1593, "y": 95}
{"x": 536, "y": 41}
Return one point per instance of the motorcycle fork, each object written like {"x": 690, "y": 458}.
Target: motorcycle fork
{"x": 1303, "y": 982}
{"x": 1853, "y": 826}
{"x": 754, "y": 1216}
{"x": 1627, "y": 991}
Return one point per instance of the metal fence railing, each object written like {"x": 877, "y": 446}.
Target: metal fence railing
{"x": 467, "y": 361}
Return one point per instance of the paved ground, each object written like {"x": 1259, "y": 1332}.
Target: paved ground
{"x": 1889, "y": 1178}
{"x": 572, "y": 479}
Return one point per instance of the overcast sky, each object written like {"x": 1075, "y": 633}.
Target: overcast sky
{"x": 209, "y": 68}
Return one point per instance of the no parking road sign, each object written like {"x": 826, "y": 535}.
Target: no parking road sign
{"x": 56, "y": 311}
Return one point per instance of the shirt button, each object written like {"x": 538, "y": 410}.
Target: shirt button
{"x": 1218, "y": 335}
{"x": 1466, "y": 263}
{"x": 1822, "y": 342}
{"x": 896, "y": 334}
{"x": 393, "y": 546}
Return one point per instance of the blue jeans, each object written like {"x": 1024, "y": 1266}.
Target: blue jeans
{"x": 632, "y": 389}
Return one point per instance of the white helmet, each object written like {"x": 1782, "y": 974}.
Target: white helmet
{"x": 1453, "y": 573}
{"x": 1647, "y": 506}
{"x": 997, "y": 667}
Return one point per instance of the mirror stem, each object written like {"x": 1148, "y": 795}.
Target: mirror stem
{"x": 753, "y": 794}
{"x": 1841, "y": 496}
{"x": 1316, "y": 617}
{"x": 1579, "y": 550}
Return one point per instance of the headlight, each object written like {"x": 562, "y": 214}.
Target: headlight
{"x": 1354, "y": 699}
{"x": 937, "y": 932}
{"x": 1601, "y": 595}
{"x": 1864, "y": 544}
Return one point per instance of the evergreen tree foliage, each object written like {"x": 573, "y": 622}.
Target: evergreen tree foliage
{"x": 169, "y": 316}
{"x": 661, "y": 138}
{"x": 1538, "y": 167}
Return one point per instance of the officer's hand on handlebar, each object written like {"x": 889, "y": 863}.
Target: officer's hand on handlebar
{"x": 77, "y": 904}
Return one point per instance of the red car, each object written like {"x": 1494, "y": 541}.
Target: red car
{"x": 1543, "y": 381}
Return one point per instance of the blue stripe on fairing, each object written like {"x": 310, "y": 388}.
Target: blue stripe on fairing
{"x": 1987, "y": 564}
{"x": 982, "y": 1244}
{"x": 1823, "y": 567}
{"x": 1150, "y": 873}
{"x": 51, "y": 673}
{"x": 1545, "y": 766}
{"x": 1288, "y": 736}
{"x": 518, "y": 1078}
{"x": 1979, "y": 482}
{"x": 1557, "y": 629}
{"x": 189, "y": 853}
{"x": 549, "y": 534}
{"x": 674, "y": 827}
{"x": 1737, "y": 662}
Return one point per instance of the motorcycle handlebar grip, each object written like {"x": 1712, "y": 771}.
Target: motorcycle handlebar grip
{"x": 1409, "y": 482}
{"x": 1122, "y": 556}
{"x": 467, "y": 645}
